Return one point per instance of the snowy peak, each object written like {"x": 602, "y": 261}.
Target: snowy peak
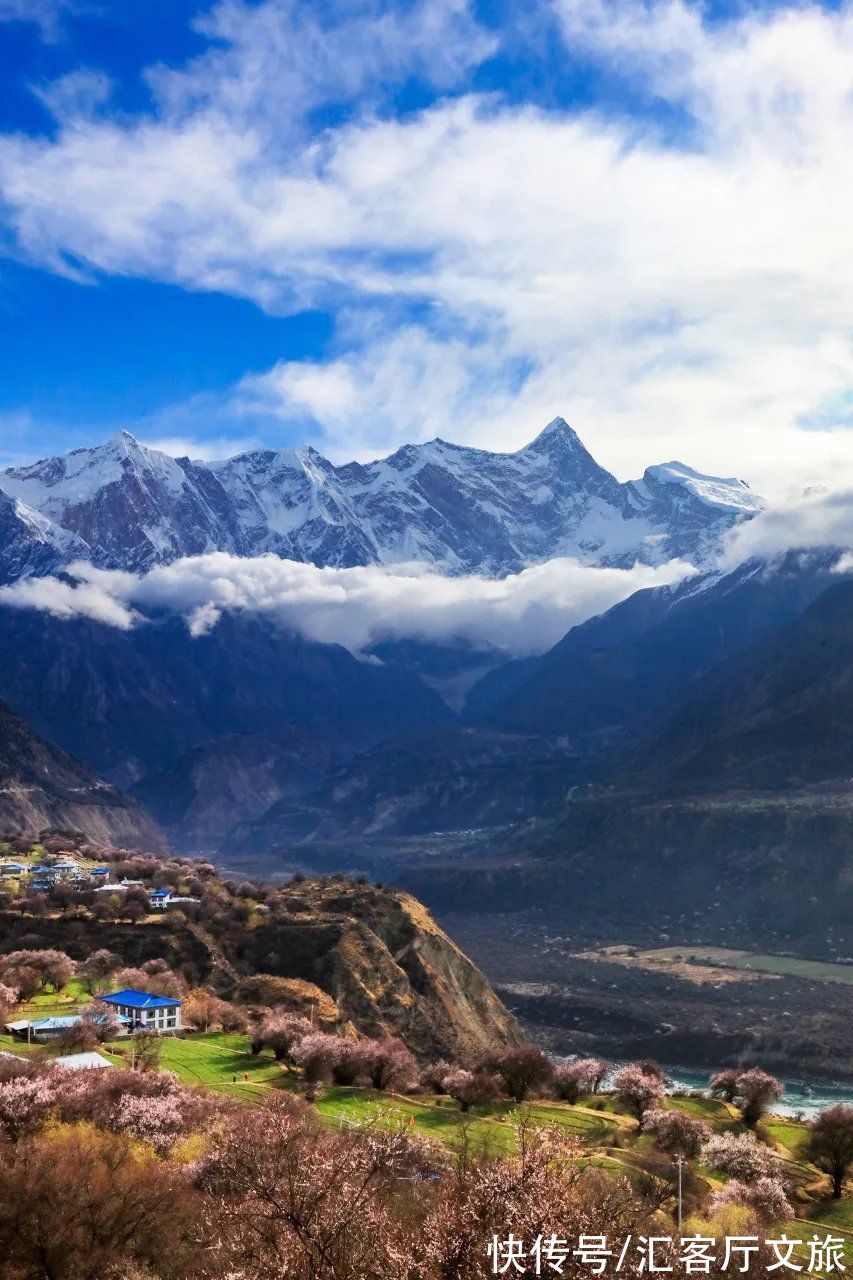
{"x": 725, "y": 494}
{"x": 459, "y": 509}
{"x": 557, "y": 436}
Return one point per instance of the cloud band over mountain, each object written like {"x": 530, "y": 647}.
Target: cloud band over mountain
{"x": 523, "y": 613}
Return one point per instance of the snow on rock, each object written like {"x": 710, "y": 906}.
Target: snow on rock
{"x": 458, "y": 509}
{"x": 728, "y": 494}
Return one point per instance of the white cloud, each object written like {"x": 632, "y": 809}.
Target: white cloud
{"x": 524, "y": 613}
{"x": 66, "y": 600}
{"x": 815, "y": 519}
{"x": 206, "y": 450}
{"x": 44, "y": 14}
{"x": 271, "y": 64}
{"x": 684, "y": 298}
{"x": 408, "y": 386}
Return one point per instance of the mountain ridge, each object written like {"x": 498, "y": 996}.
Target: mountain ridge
{"x": 43, "y": 786}
{"x": 462, "y": 510}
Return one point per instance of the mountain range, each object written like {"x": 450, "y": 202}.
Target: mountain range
{"x": 662, "y": 729}
{"x": 598, "y": 708}
{"x": 123, "y": 505}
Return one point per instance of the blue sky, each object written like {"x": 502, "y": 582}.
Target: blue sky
{"x": 367, "y": 222}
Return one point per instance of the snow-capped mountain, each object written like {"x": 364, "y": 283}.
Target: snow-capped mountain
{"x": 30, "y": 543}
{"x": 123, "y": 505}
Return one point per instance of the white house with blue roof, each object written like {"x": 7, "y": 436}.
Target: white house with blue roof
{"x": 142, "y": 1010}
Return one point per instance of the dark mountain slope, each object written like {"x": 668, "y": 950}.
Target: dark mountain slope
{"x": 443, "y": 782}
{"x": 41, "y": 786}
{"x": 602, "y": 689}
{"x": 732, "y": 823}
{"x": 781, "y": 716}
{"x": 133, "y": 703}
{"x": 617, "y": 673}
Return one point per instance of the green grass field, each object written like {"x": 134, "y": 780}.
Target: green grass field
{"x": 222, "y": 1062}
{"x": 784, "y": 966}
{"x": 213, "y": 1061}
{"x": 47, "y": 1004}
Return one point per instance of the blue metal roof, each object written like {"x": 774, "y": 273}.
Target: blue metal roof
{"x": 141, "y": 1000}
{"x": 160, "y": 893}
{"x": 68, "y": 1020}
{"x": 99, "y": 871}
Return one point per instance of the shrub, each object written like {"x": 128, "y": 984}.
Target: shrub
{"x": 470, "y": 1088}
{"x": 637, "y": 1090}
{"x": 741, "y": 1156}
{"x": 433, "y": 1074}
{"x": 724, "y": 1083}
{"x": 521, "y": 1071}
{"x": 676, "y": 1132}
{"x": 581, "y": 1075}
{"x": 390, "y": 1065}
{"x": 316, "y": 1054}
{"x": 830, "y": 1144}
{"x": 82, "y": 1205}
{"x": 756, "y": 1089}
{"x": 766, "y": 1198}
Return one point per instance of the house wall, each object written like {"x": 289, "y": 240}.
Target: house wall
{"x": 152, "y": 1019}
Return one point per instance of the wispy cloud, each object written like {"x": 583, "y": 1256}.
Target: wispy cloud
{"x": 524, "y": 613}
{"x": 818, "y": 518}
{"x": 204, "y": 450}
{"x": 676, "y": 293}
{"x": 44, "y": 14}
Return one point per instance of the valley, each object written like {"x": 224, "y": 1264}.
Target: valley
{"x": 671, "y": 773}
{"x": 798, "y": 1025}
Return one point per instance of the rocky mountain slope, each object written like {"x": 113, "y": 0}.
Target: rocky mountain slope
{"x": 387, "y": 965}
{"x": 41, "y": 786}
{"x": 122, "y": 505}
{"x": 353, "y": 956}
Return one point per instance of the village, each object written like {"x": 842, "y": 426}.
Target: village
{"x": 151, "y": 1002}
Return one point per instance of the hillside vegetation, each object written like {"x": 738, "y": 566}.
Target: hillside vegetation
{"x": 371, "y": 958}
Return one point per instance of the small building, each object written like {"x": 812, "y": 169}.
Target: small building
{"x": 13, "y": 869}
{"x": 82, "y": 1061}
{"x": 57, "y": 872}
{"x": 99, "y": 874}
{"x": 159, "y": 899}
{"x": 132, "y": 884}
{"x": 111, "y": 888}
{"x": 176, "y": 900}
{"x": 142, "y": 1010}
{"x": 49, "y": 1028}
{"x": 67, "y": 867}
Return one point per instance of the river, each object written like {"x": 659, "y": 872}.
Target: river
{"x": 798, "y": 1099}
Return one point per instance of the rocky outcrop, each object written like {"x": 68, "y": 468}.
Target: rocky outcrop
{"x": 355, "y": 958}
{"x": 389, "y": 968}
{"x": 41, "y": 786}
